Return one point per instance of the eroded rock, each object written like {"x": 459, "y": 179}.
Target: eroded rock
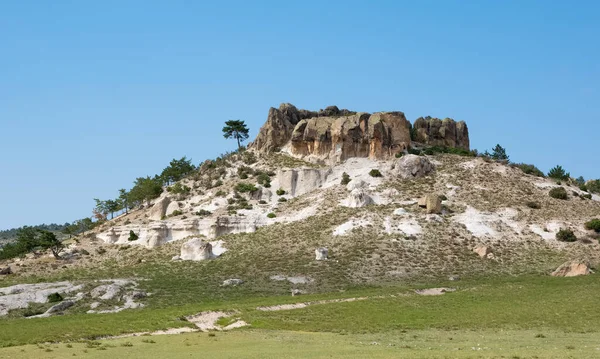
{"x": 572, "y": 269}
{"x": 196, "y": 249}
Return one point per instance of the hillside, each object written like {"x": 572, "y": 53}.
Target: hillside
{"x": 384, "y": 209}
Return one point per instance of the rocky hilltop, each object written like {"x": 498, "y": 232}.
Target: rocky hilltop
{"x": 336, "y": 135}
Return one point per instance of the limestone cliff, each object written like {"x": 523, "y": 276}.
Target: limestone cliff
{"x": 334, "y": 134}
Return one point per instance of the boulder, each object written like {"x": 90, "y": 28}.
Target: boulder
{"x": 412, "y": 166}
{"x": 572, "y": 269}
{"x": 483, "y": 251}
{"x": 232, "y": 282}
{"x": 159, "y": 210}
{"x": 6, "y": 270}
{"x": 196, "y": 250}
{"x": 356, "y": 184}
{"x": 358, "y": 198}
{"x": 433, "y": 204}
{"x": 321, "y": 254}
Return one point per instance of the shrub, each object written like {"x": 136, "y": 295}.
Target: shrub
{"x": 533, "y": 205}
{"x": 587, "y": 195}
{"x": 55, "y": 298}
{"x": 593, "y": 186}
{"x": 375, "y": 173}
{"x": 345, "y": 179}
{"x": 583, "y": 187}
{"x": 413, "y": 151}
{"x": 203, "y": 213}
{"x": 100, "y": 250}
{"x": 593, "y": 224}
{"x": 559, "y": 173}
{"x": 282, "y": 199}
{"x": 176, "y": 213}
{"x": 529, "y": 169}
{"x": 243, "y": 187}
{"x": 221, "y": 193}
{"x": 558, "y": 193}
{"x": 566, "y": 235}
{"x": 399, "y": 154}
{"x": 280, "y": 192}
{"x": 248, "y": 157}
{"x": 262, "y": 201}
{"x": 264, "y": 179}
{"x": 271, "y": 215}
{"x": 132, "y": 236}
{"x": 178, "y": 188}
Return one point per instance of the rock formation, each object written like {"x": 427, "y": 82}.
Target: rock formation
{"x": 196, "y": 250}
{"x": 445, "y": 133}
{"x": 412, "y": 166}
{"x": 572, "y": 269}
{"x": 321, "y": 254}
{"x": 335, "y": 135}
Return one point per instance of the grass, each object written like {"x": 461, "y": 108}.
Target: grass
{"x": 429, "y": 343}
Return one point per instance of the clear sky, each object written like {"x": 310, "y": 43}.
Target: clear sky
{"x": 96, "y": 93}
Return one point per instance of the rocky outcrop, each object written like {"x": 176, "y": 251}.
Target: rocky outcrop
{"x": 412, "y": 166}
{"x": 335, "y": 135}
{"x": 445, "y": 133}
{"x": 196, "y": 250}
{"x": 321, "y": 254}
{"x": 358, "y": 198}
{"x": 159, "y": 209}
{"x": 572, "y": 269}
{"x": 297, "y": 182}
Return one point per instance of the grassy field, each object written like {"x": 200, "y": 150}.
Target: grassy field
{"x": 520, "y": 317}
{"x": 284, "y": 344}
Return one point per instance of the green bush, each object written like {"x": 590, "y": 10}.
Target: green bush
{"x": 587, "y": 195}
{"x": 271, "y": 215}
{"x": 262, "y": 202}
{"x": 282, "y": 199}
{"x": 533, "y": 205}
{"x": 264, "y": 179}
{"x": 529, "y": 169}
{"x": 375, "y": 173}
{"x": 558, "y": 193}
{"x": 178, "y": 188}
{"x": 345, "y": 179}
{"x": 566, "y": 235}
{"x": 176, "y": 213}
{"x": 221, "y": 193}
{"x": 399, "y": 154}
{"x": 243, "y": 187}
{"x": 593, "y": 186}
{"x": 413, "y": 151}
{"x": 55, "y": 298}
{"x": 280, "y": 192}
{"x": 593, "y": 224}
{"x": 132, "y": 236}
{"x": 203, "y": 213}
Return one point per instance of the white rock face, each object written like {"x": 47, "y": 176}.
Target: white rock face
{"x": 19, "y": 296}
{"x": 172, "y": 207}
{"x": 321, "y": 254}
{"x": 413, "y": 166}
{"x": 297, "y": 182}
{"x": 159, "y": 209}
{"x": 196, "y": 250}
{"x": 356, "y": 184}
{"x": 358, "y": 198}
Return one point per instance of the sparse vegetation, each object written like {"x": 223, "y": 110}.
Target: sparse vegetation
{"x": 375, "y": 173}
{"x": 594, "y": 224}
{"x": 203, "y": 213}
{"x": 271, "y": 215}
{"x": 280, "y": 192}
{"x": 55, "y": 298}
{"x": 533, "y": 205}
{"x": 176, "y": 213}
{"x": 243, "y": 187}
{"x": 558, "y": 193}
{"x": 345, "y": 179}
{"x": 132, "y": 236}
{"x": 282, "y": 199}
{"x": 529, "y": 169}
{"x": 566, "y": 235}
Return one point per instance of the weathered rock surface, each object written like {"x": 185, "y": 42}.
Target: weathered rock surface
{"x": 412, "y": 166}
{"x": 572, "y": 269}
{"x": 297, "y": 182}
{"x": 321, "y": 254}
{"x": 433, "y": 204}
{"x": 483, "y": 251}
{"x": 358, "y": 198}
{"x": 196, "y": 250}
{"x": 159, "y": 210}
{"x": 5, "y": 270}
{"x": 232, "y": 282}
{"x": 445, "y": 133}
{"x": 334, "y": 134}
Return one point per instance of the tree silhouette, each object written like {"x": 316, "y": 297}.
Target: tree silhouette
{"x": 236, "y": 129}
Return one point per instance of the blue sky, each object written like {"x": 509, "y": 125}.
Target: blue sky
{"x": 95, "y": 94}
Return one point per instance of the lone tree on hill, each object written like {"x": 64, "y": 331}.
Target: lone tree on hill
{"x": 499, "y": 153}
{"x": 559, "y": 173}
{"x": 236, "y": 129}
